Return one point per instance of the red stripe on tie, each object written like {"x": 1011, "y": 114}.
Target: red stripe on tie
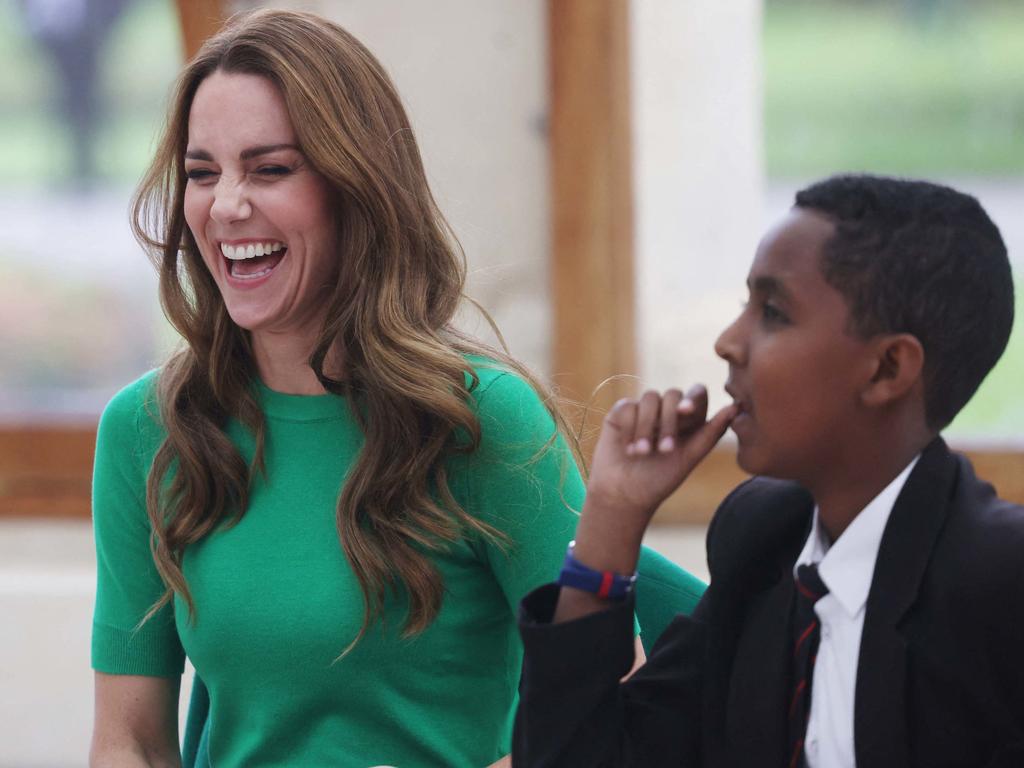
{"x": 796, "y": 754}
{"x": 804, "y": 636}
{"x": 606, "y": 584}
{"x": 796, "y": 697}
{"x": 807, "y": 593}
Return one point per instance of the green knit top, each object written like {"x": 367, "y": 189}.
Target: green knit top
{"x": 277, "y": 601}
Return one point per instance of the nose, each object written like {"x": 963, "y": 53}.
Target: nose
{"x": 230, "y": 202}
{"x": 730, "y": 345}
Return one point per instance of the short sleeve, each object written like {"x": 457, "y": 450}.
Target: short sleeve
{"x": 127, "y": 582}
{"x": 522, "y": 480}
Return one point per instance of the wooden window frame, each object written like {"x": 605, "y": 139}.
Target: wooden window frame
{"x": 46, "y": 471}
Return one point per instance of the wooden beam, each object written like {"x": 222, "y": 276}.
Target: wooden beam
{"x": 700, "y": 495}
{"x": 703, "y": 491}
{"x": 200, "y": 19}
{"x": 592, "y": 199}
{"x": 47, "y": 472}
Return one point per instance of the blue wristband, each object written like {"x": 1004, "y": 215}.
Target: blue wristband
{"x": 604, "y": 584}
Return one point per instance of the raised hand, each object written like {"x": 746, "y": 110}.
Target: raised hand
{"x": 647, "y": 448}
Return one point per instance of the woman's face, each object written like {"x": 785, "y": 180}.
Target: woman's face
{"x": 259, "y": 213}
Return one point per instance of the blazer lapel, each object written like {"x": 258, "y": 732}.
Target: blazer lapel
{"x": 752, "y": 544}
{"x": 756, "y": 711}
{"x": 880, "y": 724}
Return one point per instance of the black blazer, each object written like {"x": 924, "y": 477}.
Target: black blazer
{"x": 940, "y": 679}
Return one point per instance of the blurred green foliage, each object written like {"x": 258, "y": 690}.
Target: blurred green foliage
{"x": 138, "y": 68}
{"x": 918, "y": 86}
{"x": 931, "y": 88}
{"x": 997, "y": 410}
{"x": 923, "y": 87}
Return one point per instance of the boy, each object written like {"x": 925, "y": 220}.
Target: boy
{"x": 868, "y": 607}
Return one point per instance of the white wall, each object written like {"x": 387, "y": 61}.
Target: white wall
{"x": 698, "y": 177}
{"x": 473, "y": 77}
{"x": 47, "y": 590}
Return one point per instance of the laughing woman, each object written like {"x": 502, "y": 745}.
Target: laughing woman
{"x": 329, "y": 499}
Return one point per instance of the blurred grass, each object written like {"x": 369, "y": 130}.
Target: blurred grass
{"x": 996, "y": 412}
{"x": 867, "y": 87}
{"x": 138, "y": 66}
{"x": 847, "y": 85}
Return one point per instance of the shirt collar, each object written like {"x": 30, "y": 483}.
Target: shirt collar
{"x": 848, "y": 565}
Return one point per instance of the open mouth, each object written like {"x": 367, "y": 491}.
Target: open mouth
{"x": 253, "y": 260}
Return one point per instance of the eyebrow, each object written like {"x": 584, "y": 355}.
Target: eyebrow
{"x": 246, "y": 154}
{"x": 767, "y": 285}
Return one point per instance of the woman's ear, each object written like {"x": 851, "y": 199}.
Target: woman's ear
{"x": 899, "y": 364}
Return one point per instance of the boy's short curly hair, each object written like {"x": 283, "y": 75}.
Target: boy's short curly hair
{"x": 920, "y": 258}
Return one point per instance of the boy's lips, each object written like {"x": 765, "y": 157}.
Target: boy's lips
{"x": 738, "y": 399}
{"x": 742, "y": 421}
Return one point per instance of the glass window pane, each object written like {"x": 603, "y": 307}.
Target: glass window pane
{"x": 82, "y": 90}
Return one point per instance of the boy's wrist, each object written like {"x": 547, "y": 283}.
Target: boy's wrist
{"x": 607, "y": 540}
{"x": 606, "y": 584}
{"x": 613, "y": 511}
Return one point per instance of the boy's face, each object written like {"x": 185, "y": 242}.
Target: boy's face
{"x": 794, "y": 368}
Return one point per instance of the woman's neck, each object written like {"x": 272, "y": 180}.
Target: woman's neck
{"x": 282, "y": 360}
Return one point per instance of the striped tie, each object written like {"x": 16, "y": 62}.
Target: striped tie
{"x": 809, "y": 590}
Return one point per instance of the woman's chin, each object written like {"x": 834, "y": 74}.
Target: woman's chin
{"x": 250, "y": 318}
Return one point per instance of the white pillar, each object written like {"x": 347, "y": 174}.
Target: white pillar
{"x": 698, "y": 175}
{"x": 473, "y": 77}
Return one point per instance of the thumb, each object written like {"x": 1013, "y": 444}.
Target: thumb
{"x": 706, "y": 437}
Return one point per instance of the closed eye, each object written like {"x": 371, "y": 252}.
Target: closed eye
{"x": 273, "y": 170}
{"x": 199, "y": 174}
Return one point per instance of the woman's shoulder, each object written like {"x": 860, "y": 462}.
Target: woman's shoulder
{"x": 502, "y": 393}
{"x": 132, "y": 413}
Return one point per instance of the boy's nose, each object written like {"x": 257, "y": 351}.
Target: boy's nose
{"x": 728, "y": 345}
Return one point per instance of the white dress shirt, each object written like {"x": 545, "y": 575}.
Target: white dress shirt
{"x": 847, "y": 568}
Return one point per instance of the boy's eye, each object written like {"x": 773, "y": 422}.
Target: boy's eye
{"x": 772, "y": 314}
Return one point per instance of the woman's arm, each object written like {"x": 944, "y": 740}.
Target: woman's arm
{"x": 136, "y": 722}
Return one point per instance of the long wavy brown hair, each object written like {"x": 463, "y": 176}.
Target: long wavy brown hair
{"x": 390, "y": 316}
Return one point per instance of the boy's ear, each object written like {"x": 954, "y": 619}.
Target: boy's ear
{"x": 899, "y": 362}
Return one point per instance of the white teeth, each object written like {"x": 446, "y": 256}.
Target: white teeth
{"x": 236, "y": 253}
{"x": 253, "y": 276}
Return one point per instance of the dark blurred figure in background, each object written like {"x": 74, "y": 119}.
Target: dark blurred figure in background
{"x": 928, "y": 11}
{"x": 73, "y": 33}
